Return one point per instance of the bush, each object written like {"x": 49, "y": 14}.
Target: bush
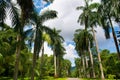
{"x": 110, "y": 76}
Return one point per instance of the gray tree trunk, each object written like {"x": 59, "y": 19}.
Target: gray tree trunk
{"x": 91, "y": 60}
{"x": 86, "y": 63}
{"x": 83, "y": 63}
{"x": 36, "y": 51}
{"x": 99, "y": 58}
{"x": 55, "y": 65}
{"x": 42, "y": 59}
{"x": 18, "y": 48}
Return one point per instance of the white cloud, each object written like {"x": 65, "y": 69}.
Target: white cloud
{"x": 67, "y": 17}
{"x": 67, "y": 22}
{"x": 47, "y": 49}
{"x": 70, "y": 53}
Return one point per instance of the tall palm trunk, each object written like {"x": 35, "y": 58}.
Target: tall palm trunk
{"x": 79, "y": 70}
{"x": 99, "y": 58}
{"x": 18, "y": 48}
{"x": 86, "y": 63}
{"x": 58, "y": 66}
{"x": 55, "y": 65}
{"x": 34, "y": 55}
{"x": 83, "y": 64}
{"x": 115, "y": 39}
{"x": 91, "y": 60}
{"x": 42, "y": 59}
{"x": 33, "y": 64}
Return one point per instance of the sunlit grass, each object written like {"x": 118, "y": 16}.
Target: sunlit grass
{"x": 61, "y": 79}
{"x": 47, "y": 78}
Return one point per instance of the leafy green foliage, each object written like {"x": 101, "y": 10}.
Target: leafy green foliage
{"x": 110, "y": 64}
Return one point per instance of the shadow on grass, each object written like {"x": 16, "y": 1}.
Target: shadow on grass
{"x": 5, "y": 78}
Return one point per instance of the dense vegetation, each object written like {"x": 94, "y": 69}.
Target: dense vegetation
{"x": 16, "y": 43}
{"x": 110, "y": 66}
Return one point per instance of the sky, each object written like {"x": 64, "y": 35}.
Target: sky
{"x": 67, "y": 23}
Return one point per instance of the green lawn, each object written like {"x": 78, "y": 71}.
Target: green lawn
{"x": 61, "y": 79}
{"x": 50, "y": 78}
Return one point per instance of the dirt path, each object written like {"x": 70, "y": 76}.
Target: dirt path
{"x": 73, "y": 79}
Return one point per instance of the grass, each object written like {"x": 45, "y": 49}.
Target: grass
{"x": 52, "y": 78}
{"x": 10, "y": 78}
{"x": 61, "y": 79}
{"x": 46, "y": 78}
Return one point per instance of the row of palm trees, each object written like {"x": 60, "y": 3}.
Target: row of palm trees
{"x": 18, "y": 22}
{"x": 28, "y": 16}
{"x": 94, "y": 14}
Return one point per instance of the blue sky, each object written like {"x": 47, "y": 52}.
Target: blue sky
{"x": 67, "y": 22}
{"x": 39, "y": 4}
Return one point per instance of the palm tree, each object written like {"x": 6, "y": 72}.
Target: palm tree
{"x": 67, "y": 66}
{"x": 84, "y": 40}
{"x": 57, "y": 48}
{"x": 39, "y": 29}
{"x": 60, "y": 53}
{"x": 20, "y": 41}
{"x": 113, "y": 8}
{"x": 109, "y": 9}
{"x": 78, "y": 67}
{"x": 87, "y": 10}
{"x": 92, "y": 23}
{"x": 79, "y": 48}
{"x": 45, "y": 37}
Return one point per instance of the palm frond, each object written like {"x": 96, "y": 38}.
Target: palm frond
{"x": 14, "y": 15}
{"x": 81, "y": 19}
{"x": 49, "y": 14}
{"x": 80, "y": 8}
{"x": 106, "y": 29}
{"x": 94, "y": 6}
{"x": 82, "y": 39}
{"x": 28, "y": 32}
{"x": 3, "y": 6}
{"x": 51, "y": 1}
{"x": 78, "y": 30}
{"x": 34, "y": 17}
